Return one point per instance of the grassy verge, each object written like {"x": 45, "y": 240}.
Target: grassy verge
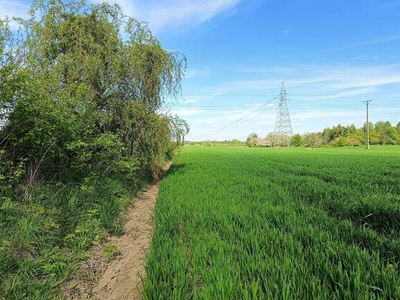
{"x": 44, "y": 233}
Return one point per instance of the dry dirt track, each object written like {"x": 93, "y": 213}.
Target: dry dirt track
{"x": 119, "y": 277}
{"x": 122, "y": 277}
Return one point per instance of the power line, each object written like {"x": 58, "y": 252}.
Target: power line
{"x": 241, "y": 123}
{"x": 297, "y": 106}
{"x": 240, "y": 119}
{"x": 258, "y": 110}
{"x": 314, "y": 103}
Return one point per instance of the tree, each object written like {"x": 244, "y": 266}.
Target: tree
{"x": 387, "y": 134}
{"x": 252, "y": 139}
{"x": 236, "y": 142}
{"x": 297, "y": 140}
{"x": 179, "y": 129}
{"x": 327, "y": 135}
{"x": 84, "y": 83}
{"x": 337, "y": 132}
{"x": 351, "y": 130}
{"x": 251, "y": 136}
{"x": 10, "y": 81}
{"x": 313, "y": 140}
{"x": 373, "y": 134}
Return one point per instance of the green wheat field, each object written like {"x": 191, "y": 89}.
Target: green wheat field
{"x": 258, "y": 223}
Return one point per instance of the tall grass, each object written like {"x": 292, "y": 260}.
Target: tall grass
{"x": 246, "y": 223}
{"x": 45, "y": 233}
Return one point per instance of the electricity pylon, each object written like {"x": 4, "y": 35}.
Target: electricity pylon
{"x": 283, "y": 128}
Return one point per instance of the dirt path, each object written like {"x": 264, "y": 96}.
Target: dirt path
{"x": 119, "y": 275}
{"x": 122, "y": 277}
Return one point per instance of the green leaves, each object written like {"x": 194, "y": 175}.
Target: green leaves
{"x": 81, "y": 82}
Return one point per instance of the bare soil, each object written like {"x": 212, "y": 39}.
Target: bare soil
{"x": 122, "y": 278}
{"x": 118, "y": 274}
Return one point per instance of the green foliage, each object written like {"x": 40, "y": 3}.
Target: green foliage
{"x": 381, "y": 133}
{"x": 171, "y": 151}
{"x": 179, "y": 128}
{"x": 236, "y": 142}
{"x": 312, "y": 140}
{"x": 80, "y": 84}
{"x": 297, "y": 141}
{"x": 294, "y": 223}
{"x": 252, "y": 135}
{"x": 80, "y": 90}
{"x": 61, "y": 219}
{"x": 252, "y": 142}
{"x": 110, "y": 251}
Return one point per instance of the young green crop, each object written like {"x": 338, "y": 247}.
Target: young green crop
{"x": 248, "y": 223}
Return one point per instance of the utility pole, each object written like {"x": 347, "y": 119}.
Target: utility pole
{"x": 367, "y": 104}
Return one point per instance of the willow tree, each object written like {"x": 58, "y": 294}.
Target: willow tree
{"x": 94, "y": 79}
{"x": 5, "y": 72}
{"x": 179, "y": 129}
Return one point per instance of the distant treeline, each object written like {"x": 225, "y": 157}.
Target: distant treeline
{"x": 380, "y": 133}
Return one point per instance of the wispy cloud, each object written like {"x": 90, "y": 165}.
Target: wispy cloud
{"x": 366, "y": 57}
{"x": 321, "y": 96}
{"x": 161, "y": 15}
{"x": 352, "y": 92}
{"x": 165, "y": 15}
{"x": 10, "y": 9}
{"x": 333, "y": 79}
{"x": 376, "y": 41}
{"x": 13, "y": 8}
{"x": 321, "y": 114}
{"x": 203, "y": 72}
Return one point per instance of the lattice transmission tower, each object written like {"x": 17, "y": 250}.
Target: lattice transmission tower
{"x": 283, "y": 128}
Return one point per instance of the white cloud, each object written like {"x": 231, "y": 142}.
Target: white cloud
{"x": 175, "y": 14}
{"x": 10, "y": 9}
{"x": 264, "y": 122}
{"x": 184, "y": 112}
{"x": 161, "y": 15}
{"x": 352, "y": 92}
{"x": 320, "y": 96}
{"x": 212, "y": 121}
{"x": 199, "y": 73}
{"x": 319, "y": 78}
{"x": 13, "y": 8}
{"x": 324, "y": 114}
{"x": 366, "y": 57}
{"x": 376, "y": 41}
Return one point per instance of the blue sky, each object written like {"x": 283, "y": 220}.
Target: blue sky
{"x": 332, "y": 56}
